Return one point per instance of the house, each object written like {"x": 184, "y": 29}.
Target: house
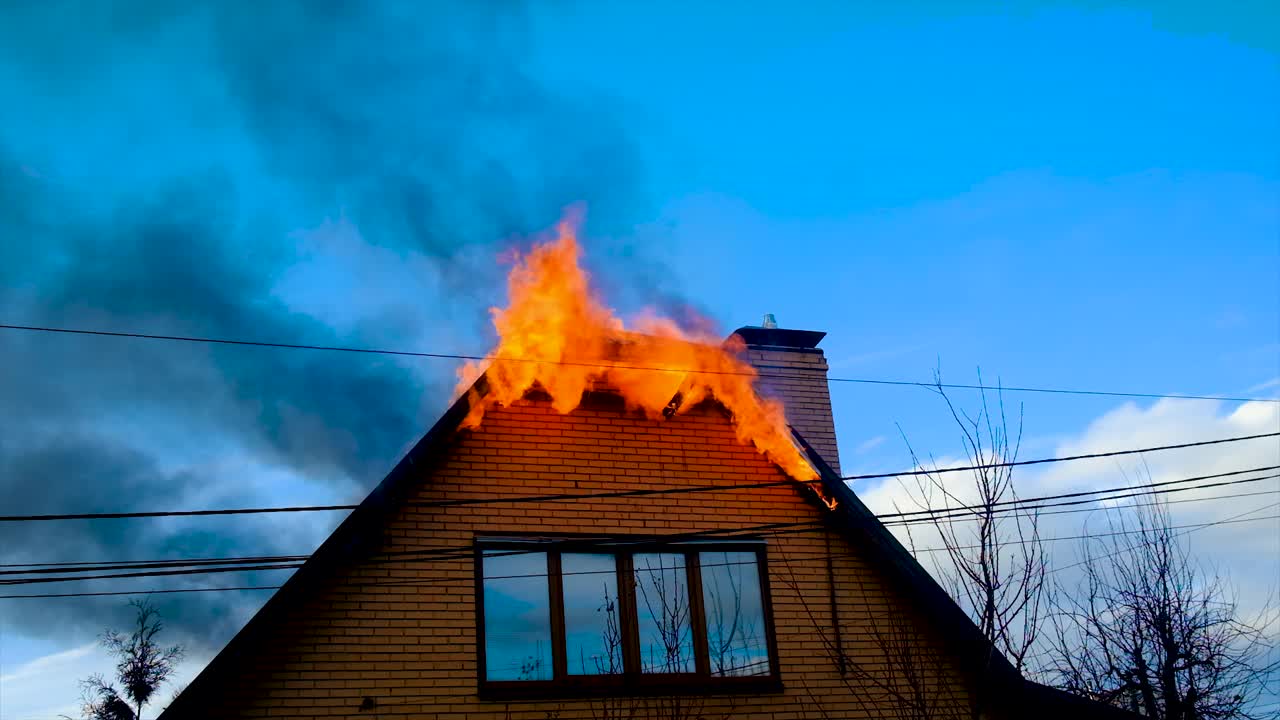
{"x": 604, "y": 563}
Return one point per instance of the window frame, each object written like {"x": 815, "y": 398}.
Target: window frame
{"x": 631, "y": 681}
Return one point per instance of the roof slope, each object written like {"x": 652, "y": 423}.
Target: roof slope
{"x": 350, "y": 541}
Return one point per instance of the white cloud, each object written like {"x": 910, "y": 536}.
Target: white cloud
{"x": 1263, "y": 386}
{"x": 867, "y": 446}
{"x": 48, "y": 687}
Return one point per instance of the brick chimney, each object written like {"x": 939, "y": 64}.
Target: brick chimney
{"x": 804, "y": 392}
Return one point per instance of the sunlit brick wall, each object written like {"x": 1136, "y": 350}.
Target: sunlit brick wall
{"x": 411, "y": 647}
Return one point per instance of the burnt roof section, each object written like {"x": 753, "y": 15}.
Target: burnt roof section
{"x": 779, "y": 337}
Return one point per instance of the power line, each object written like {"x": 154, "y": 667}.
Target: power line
{"x": 462, "y": 553}
{"x": 785, "y": 562}
{"x": 451, "y": 553}
{"x": 379, "y": 583}
{"x": 420, "y": 582}
{"x": 459, "y": 356}
{"x": 271, "y": 561}
{"x": 1064, "y": 538}
{"x": 1017, "y": 512}
{"x": 44, "y": 568}
{"x": 429, "y": 581}
{"x": 1082, "y": 493}
{"x": 143, "y": 592}
{"x": 465, "y": 553}
{"x": 154, "y": 573}
{"x": 1041, "y": 461}
{"x": 234, "y": 564}
{"x": 398, "y": 582}
{"x": 1227, "y": 496}
{"x": 88, "y": 565}
{"x": 1052, "y": 391}
{"x": 80, "y": 566}
{"x": 609, "y": 494}
{"x": 130, "y": 564}
{"x": 1022, "y": 509}
{"x": 945, "y": 512}
{"x": 456, "y": 552}
{"x": 1185, "y": 533}
{"x": 175, "y": 513}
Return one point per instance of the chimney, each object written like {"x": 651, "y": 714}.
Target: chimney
{"x": 803, "y": 391}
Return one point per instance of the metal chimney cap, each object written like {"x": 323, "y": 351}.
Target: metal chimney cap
{"x": 779, "y": 337}
{"x": 769, "y": 321}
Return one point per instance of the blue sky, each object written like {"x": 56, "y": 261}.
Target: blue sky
{"x": 1066, "y": 195}
{"x": 1075, "y": 195}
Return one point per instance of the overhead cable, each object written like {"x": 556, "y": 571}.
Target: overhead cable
{"x": 606, "y": 494}
{"x": 475, "y": 357}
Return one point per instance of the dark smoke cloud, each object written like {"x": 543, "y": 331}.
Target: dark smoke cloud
{"x": 157, "y": 181}
{"x": 87, "y": 472}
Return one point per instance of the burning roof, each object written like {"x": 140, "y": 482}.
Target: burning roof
{"x": 557, "y": 335}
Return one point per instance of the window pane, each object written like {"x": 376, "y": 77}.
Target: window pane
{"x": 735, "y": 614}
{"x": 662, "y": 609}
{"x": 592, "y": 634}
{"x": 517, "y": 616}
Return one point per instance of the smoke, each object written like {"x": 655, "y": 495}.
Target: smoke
{"x": 204, "y": 169}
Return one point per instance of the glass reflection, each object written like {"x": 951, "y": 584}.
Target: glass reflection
{"x": 517, "y": 616}
{"x": 735, "y": 614}
{"x": 662, "y": 609}
{"x": 592, "y": 635}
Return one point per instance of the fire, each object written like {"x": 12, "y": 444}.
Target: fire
{"x": 556, "y": 334}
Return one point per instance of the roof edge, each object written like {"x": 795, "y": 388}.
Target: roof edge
{"x": 349, "y": 541}
{"x": 1063, "y": 704}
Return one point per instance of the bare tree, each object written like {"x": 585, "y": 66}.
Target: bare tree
{"x": 1147, "y": 628}
{"x": 732, "y": 635}
{"x": 995, "y": 559}
{"x": 142, "y": 666}
{"x": 664, "y": 599}
{"x": 610, "y": 662}
{"x": 101, "y": 700}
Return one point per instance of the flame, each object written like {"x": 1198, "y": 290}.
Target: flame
{"x": 558, "y": 335}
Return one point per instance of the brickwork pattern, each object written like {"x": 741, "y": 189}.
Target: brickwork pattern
{"x": 803, "y": 392}
{"x": 403, "y": 632}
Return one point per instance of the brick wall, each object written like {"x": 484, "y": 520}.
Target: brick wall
{"x": 803, "y": 391}
{"x": 402, "y": 632}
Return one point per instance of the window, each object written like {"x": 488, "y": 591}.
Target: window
{"x": 570, "y": 616}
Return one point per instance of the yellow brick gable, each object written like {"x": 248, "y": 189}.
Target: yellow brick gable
{"x": 397, "y": 634}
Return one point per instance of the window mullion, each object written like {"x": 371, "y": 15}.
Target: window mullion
{"x": 697, "y": 614}
{"x": 555, "y": 584}
{"x": 766, "y": 614}
{"x": 627, "y": 615}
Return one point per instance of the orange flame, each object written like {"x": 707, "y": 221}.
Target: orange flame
{"x": 558, "y": 335}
